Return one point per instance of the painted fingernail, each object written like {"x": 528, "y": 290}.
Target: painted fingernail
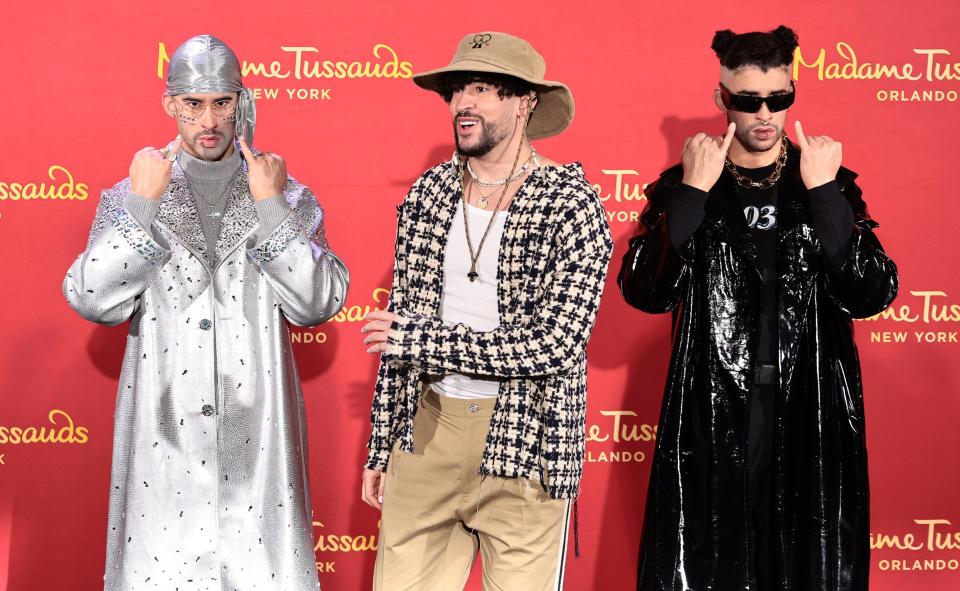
{"x": 380, "y": 499}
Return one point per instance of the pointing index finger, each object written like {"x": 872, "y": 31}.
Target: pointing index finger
{"x": 245, "y": 149}
{"x": 801, "y": 138}
{"x": 174, "y": 148}
{"x": 728, "y": 137}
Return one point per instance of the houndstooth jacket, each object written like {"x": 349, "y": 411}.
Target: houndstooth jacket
{"x": 552, "y": 266}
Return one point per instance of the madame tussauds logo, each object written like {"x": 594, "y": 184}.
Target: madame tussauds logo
{"x": 934, "y": 311}
{"x": 933, "y": 535}
{"x": 339, "y": 542}
{"x": 61, "y": 429}
{"x": 62, "y": 187}
{"x": 305, "y": 63}
{"x": 932, "y": 65}
{"x": 621, "y": 431}
{"x": 621, "y": 187}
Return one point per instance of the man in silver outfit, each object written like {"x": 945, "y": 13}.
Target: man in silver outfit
{"x": 210, "y": 251}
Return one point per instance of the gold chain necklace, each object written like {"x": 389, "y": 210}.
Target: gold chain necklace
{"x": 472, "y": 275}
{"x": 766, "y": 183}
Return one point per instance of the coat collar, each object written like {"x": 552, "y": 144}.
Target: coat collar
{"x": 178, "y": 214}
{"x": 239, "y": 216}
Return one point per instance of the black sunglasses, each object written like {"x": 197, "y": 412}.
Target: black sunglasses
{"x": 749, "y": 103}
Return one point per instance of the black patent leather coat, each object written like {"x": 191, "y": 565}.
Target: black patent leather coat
{"x": 695, "y": 532}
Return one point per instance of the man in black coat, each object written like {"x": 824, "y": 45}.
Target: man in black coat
{"x": 763, "y": 251}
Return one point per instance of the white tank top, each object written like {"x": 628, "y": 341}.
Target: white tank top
{"x": 473, "y": 303}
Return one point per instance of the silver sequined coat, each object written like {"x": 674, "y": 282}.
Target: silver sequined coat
{"x": 209, "y": 486}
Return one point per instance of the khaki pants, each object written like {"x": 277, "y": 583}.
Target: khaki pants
{"x": 438, "y": 511}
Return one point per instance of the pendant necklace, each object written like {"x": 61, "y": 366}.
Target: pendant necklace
{"x": 212, "y": 207}
{"x": 505, "y": 184}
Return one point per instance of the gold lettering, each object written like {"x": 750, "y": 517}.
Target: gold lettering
{"x": 818, "y": 63}
{"x": 621, "y": 431}
{"x": 298, "y": 63}
{"x": 880, "y": 541}
{"x": 623, "y": 191}
{"x": 343, "y": 543}
{"x": 66, "y": 433}
{"x": 162, "y": 59}
{"x": 593, "y": 434}
{"x": 849, "y": 67}
{"x": 932, "y": 71}
{"x": 69, "y": 189}
{"x": 933, "y": 537}
{"x": 932, "y": 309}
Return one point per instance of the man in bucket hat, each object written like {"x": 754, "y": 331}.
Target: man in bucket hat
{"x": 477, "y": 435}
{"x": 210, "y": 251}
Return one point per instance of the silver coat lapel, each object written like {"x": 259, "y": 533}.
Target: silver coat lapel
{"x": 178, "y": 214}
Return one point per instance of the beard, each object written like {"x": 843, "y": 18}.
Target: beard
{"x": 210, "y": 154}
{"x": 751, "y": 144}
{"x": 491, "y": 135}
{"x": 191, "y": 139}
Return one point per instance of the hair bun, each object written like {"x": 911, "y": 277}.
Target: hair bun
{"x": 722, "y": 41}
{"x": 787, "y": 37}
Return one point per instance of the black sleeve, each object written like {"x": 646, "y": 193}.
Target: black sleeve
{"x": 866, "y": 282}
{"x": 685, "y": 213}
{"x": 654, "y": 272}
{"x": 833, "y": 221}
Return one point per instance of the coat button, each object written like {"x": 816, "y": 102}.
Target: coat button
{"x": 474, "y": 408}
{"x": 205, "y": 324}
{"x": 207, "y": 410}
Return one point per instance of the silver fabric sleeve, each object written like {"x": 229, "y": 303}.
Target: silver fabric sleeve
{"x": 309, "y": 281}
{"x": 119, "y": 262}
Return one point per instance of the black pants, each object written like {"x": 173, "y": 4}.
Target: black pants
{"x": 760, "y": 499}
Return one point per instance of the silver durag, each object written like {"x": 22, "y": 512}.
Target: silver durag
{"x": 205, "y": 64}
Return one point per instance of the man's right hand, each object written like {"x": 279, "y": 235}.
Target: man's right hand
{"x": 151, "y": 168}
{"x": 703, "y": 157}
{"x": 372, "y": 490}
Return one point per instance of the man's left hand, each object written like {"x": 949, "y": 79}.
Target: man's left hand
{"x": 378, "y": 329}
{"x": 266, "y": 173}
{"x": 820, "y": 157}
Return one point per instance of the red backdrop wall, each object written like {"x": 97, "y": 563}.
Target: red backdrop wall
{"x": 80, "y": 94}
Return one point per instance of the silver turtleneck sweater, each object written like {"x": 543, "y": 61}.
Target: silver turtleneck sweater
{"x": 209, "y": 183}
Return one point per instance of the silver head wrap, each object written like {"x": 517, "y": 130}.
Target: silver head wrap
{"x": 205, "y": 64}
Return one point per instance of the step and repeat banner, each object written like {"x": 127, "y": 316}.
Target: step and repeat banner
{"x": 80, "y": 93}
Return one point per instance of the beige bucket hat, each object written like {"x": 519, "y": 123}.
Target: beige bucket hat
{"x": 500, "y": 53}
